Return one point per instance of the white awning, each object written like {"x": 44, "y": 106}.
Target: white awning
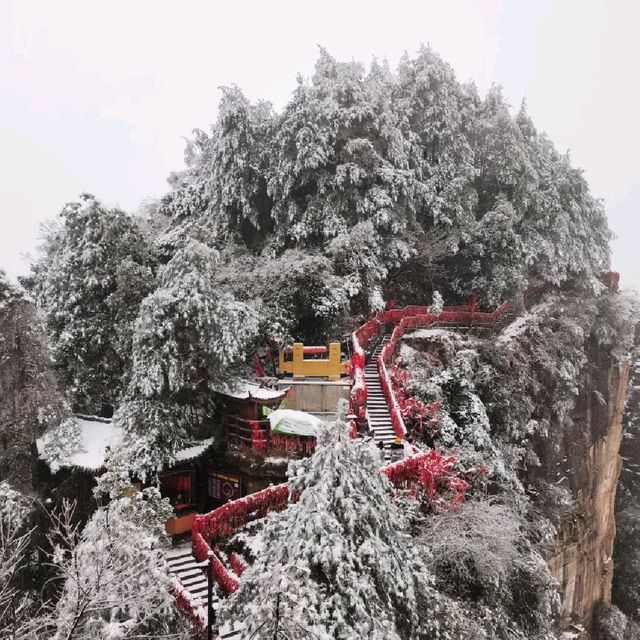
{"x": 295, "y": 423}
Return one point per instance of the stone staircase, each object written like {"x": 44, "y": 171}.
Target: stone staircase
{"x": 377, "y": 408}
{"x": 183, "y": 565}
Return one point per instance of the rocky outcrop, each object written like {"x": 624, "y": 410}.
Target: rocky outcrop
{"x": 581, "y": 559}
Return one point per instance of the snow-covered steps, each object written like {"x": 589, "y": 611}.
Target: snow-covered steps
{"x": 184, "y": 566}
{"x": 377, "y": 408}
{"x": 194, "y": 579}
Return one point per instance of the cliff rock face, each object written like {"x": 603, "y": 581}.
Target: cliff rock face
{"x": 581, "y": 559}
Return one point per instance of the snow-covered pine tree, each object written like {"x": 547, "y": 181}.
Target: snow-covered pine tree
{"x": 399, "y": 178}
{"x": 502, "y": 166}
{"x": 190, "y": 338}
{"x": 490, "y": 261}
{"x": 563, "y": 227}
{"x": 340, "y": 174}
{"x": 93, "y": 270}
{"x": 29, "y": 396}
{"x": 437, "y": 113}
{"x": 338, "y": 562}
{"x": 223, "y": 191}
{"x": 237, "y": 182}
{"x": 294, "y": 294}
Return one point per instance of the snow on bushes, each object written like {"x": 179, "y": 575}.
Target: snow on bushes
{"x": 114, "y": 579}
{"x": 613, "y": 624}
{"x": 14, "y": 507}
{"x": 444, "y": 378}
{"x": 420, "y": 418}
{"x": 436, "y": 478}
{"x": 16, "y": 604}
{"x": 60, "y": 442}
{"x": 480, "y": 554}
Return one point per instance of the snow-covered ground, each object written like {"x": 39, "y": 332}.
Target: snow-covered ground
{"x": 429, "y": 333}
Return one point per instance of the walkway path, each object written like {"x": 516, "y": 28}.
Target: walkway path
{"x": 377, "y": 408}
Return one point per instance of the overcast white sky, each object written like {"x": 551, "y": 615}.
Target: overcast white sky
{"x": 97, "y": 96}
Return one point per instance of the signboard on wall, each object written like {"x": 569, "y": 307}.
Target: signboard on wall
{"x": 222, "y": 487}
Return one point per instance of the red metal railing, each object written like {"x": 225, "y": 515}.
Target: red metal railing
{"x": 191, "y": 608}
{"x": 222, "y": 522}
{"x": 210, "y": 528}
{"x": 410, "y": 317}
{"x": 429, "y": 471}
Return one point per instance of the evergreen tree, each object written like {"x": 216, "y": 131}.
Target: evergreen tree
{"x": 237, "y": 183}
{"x": 437, "y": 115}
{"x": 339, "y": 561}
{"x": 29, "y": 400}
{"x": 502, "y": 167}
{"x": 189, "y": 335}
{"x": 92, "y": 273}
{"x": 115, "y": 580}
{"x": 16, "y": 605}
{"x": 190, "y": 338}
{"x": 406, "y": 181}
{"x": 489, "y": 263}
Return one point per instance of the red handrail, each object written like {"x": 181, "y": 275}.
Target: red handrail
{"x": 410, "y": 317}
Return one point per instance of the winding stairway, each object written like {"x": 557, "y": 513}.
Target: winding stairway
{"x": 184, "y": 566}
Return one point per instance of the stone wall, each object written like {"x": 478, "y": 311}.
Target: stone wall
{"x": 319, "y": 397}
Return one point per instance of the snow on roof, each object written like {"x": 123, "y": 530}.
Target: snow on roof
{"x": 193, "y": 451}
{"x": 95, "y": 436}
{"x": 291, "y": 422}
{"x": 246, "y": 390}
